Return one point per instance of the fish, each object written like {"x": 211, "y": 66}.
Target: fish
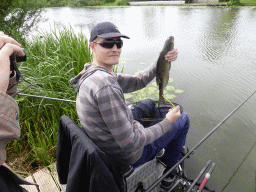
{"x": 163, "y": 68}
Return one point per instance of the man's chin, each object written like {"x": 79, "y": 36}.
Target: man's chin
{"x": 115, "y": 62}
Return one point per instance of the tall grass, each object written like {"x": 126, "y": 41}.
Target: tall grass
{"x": 53, "y": 58}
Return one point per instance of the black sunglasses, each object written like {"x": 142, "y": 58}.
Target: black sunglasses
{"x": 109, "y": 43}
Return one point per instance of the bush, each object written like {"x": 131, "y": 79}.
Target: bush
{"x": 109, "y": 1}
{"x": 234, "y": 3}
{"x": 83, "y": 3}
{"x": 122, "y": 2}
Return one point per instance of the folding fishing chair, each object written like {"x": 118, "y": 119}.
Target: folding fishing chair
{"x": 84, "y": 167}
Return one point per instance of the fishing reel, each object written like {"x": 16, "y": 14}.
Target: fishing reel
{"x": 14, "y": 59}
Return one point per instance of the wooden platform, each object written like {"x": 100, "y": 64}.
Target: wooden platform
{"x": 47, "y": 179}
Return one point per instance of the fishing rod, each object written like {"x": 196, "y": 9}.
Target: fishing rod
{"x": 199, "y": 175}
{"x": 196, "y": 146}
{"x": 206, "y": 178}
{"x": 43, "y": 97}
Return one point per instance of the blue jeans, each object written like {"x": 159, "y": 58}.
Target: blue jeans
{"x": 172, "y": 141}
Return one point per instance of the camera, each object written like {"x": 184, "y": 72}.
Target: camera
{"x": 18, "y": 58}
{"x": 14, "y": 59}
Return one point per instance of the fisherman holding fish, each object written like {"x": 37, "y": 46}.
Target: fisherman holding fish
{"x": 106, "y": 118}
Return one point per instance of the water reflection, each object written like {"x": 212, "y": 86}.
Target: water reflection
{"x": 219, "y": 34}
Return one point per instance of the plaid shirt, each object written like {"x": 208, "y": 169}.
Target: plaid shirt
{"x": 106, "y": 118}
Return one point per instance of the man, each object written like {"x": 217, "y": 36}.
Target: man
{"x": 104, "y": 114}
{"x": 9, "y": 114}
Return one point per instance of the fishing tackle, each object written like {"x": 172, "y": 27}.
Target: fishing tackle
{"x": 199, "y": 175}
{"x": 206, "y": 178}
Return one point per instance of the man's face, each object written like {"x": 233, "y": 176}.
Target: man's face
{"x": 105, "y": 57}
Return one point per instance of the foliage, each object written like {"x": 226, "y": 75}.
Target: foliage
{"x": 55, "y": 3}
{"x": 17, "y": 17}
{"x": 53, "y": 58}
{"x": 109, "y": 1}
{"x": 234, "y": 3}
{"x": 116, "y": 69}
{"x": 82, "y": 3}
{"x": 248, "y": 2}
{"x": 122, "y": 2}
{"x": 116, "y": 3}
{"x": 152, "y": 92}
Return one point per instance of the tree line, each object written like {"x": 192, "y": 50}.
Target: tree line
{"x": 18, "y": 17}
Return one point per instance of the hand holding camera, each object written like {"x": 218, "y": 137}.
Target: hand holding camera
{"x": 9, "y": 50}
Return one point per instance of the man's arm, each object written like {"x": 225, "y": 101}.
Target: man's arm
{"x": 130, "y": 83}
{"x": 128, "y": 134}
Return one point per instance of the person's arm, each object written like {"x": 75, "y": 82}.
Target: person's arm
{"x": 128, "y": 133}
{"x": 130, "y": 83}
{"x": 9, "y": 122}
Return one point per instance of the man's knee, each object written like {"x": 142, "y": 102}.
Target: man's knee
{"x": 182, "y": 124}
{"x": 186, "y": 119}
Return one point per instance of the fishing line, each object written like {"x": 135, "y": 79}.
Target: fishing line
{"x": 169, "y": 101}
{"x": 42, "y": 97}
{"x": 36, "y": 96}
{"x": 196, "y": 146}
{"x": 239, "y": 167}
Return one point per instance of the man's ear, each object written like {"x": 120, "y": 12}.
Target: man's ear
{"x": 92, "y": 46}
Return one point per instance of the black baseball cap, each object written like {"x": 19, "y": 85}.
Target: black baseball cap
{"x": 106, "y": 30}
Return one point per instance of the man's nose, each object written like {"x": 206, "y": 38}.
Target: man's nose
{"x": 114, "y": 48}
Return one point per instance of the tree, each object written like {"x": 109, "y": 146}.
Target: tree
{"x": 17, "y": 17}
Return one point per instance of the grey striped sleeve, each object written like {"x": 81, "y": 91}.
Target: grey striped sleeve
{"x": 129, "y": 134}
{"x": 130, "y": 83}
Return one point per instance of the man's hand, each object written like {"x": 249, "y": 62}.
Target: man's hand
{"x": 173, "y": 114}
{"x": 171, "y": 55}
